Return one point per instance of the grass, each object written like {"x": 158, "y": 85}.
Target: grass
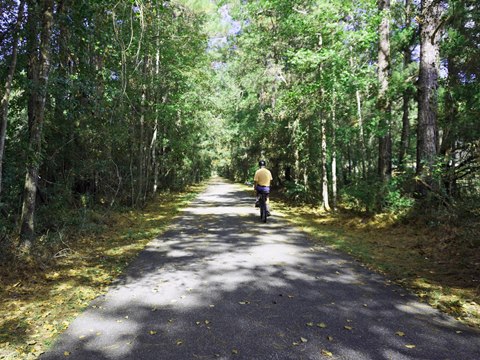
{"x": 438, "y": 264}
{"x": 38, "y": 303}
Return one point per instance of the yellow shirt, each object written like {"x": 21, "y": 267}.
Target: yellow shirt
{"x": 263, "y": 177}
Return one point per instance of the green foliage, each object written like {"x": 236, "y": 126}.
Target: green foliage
{"x": 374, "y": 196}
{"x": 396, "y": 198}
{"x": 139, "y": 97}
{"x": 359, "y": 196}
{"x": 126, "y": 111}
{"x": 297, "y": 192}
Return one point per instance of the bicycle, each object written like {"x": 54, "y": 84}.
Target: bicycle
{"x": 262, "y": 202}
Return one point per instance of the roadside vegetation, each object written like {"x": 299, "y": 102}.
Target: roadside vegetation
{"x": 366, "y": 113}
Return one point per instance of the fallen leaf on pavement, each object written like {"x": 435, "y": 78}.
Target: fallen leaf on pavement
{"x": 327, "y": 353}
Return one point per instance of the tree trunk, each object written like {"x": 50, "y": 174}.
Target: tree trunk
{"x": 153, "y": 154}
{"x": 405, "y": 137}
{"x": 157, "y": 113}
{"x": 141, "y": 147}
{"x": 447, "y": 147}
{"x": 334, "y": 153}
{"x": 431, "y": 13}
{"x": 325, "y": 203}
{"x": 63, "y": 88}
{"x": 349, "y": 174}
{"x": 296, "y": 153}
{"x": 383, "y": 104}
{"x": 362, "y": 134}
{"x": 8, "y": 88}
{"x": 363, "y": 150}
{"x": 38, "y": 97}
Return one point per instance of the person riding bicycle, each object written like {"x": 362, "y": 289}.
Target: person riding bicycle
{"x": 261, "y": 182}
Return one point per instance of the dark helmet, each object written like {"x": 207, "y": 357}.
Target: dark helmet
{"x": 262, "y": 163}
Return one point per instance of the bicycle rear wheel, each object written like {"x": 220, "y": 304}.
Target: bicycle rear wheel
{"x": 263, "y": 208}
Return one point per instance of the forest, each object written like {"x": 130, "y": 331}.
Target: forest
{"x": 366, "y": 106}
{"x": 361, "y": 105}
{"x": 115, "y": 113}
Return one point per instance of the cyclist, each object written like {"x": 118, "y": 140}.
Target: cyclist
{"x": 261, "y": 182}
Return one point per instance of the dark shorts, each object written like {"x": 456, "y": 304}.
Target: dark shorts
{"x": 263, "y": 189}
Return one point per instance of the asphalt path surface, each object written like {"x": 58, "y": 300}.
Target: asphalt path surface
{"x": 219, "y": 284}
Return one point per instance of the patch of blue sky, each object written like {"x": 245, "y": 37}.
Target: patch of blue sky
{"x": 415, "y": 55}
{"x": 114, "y": 75}
{"x": 233, "y": 28}
{"x": 226, "y": 19}
{"x": 218, "y": 65}
{"x": 217, "y": 42}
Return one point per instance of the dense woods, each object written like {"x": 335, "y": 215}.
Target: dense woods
{"x": 375, "y": 101}
{"x": 103, "y": 106}
{"x": 372, "y": 106}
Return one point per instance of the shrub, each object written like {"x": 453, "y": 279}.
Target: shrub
{"x": 373, "y": 196}
{"x": 394, "y": 198}
{"x": 296, "y": 192}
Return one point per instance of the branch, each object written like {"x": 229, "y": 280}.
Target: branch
{"x": 119, "y": 183}
{"x": 432, "y": 191}
{"x": 466, "y": 172}
{"x": 444, "y": 20}
{"x": 303, "y": 12}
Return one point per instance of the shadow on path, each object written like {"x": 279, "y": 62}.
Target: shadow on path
{"x": 221, "y": 285}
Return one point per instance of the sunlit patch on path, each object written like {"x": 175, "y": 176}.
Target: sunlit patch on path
{"x": 221, "y": 285}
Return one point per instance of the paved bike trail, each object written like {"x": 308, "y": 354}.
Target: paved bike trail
{"x": 221, "y": 285}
